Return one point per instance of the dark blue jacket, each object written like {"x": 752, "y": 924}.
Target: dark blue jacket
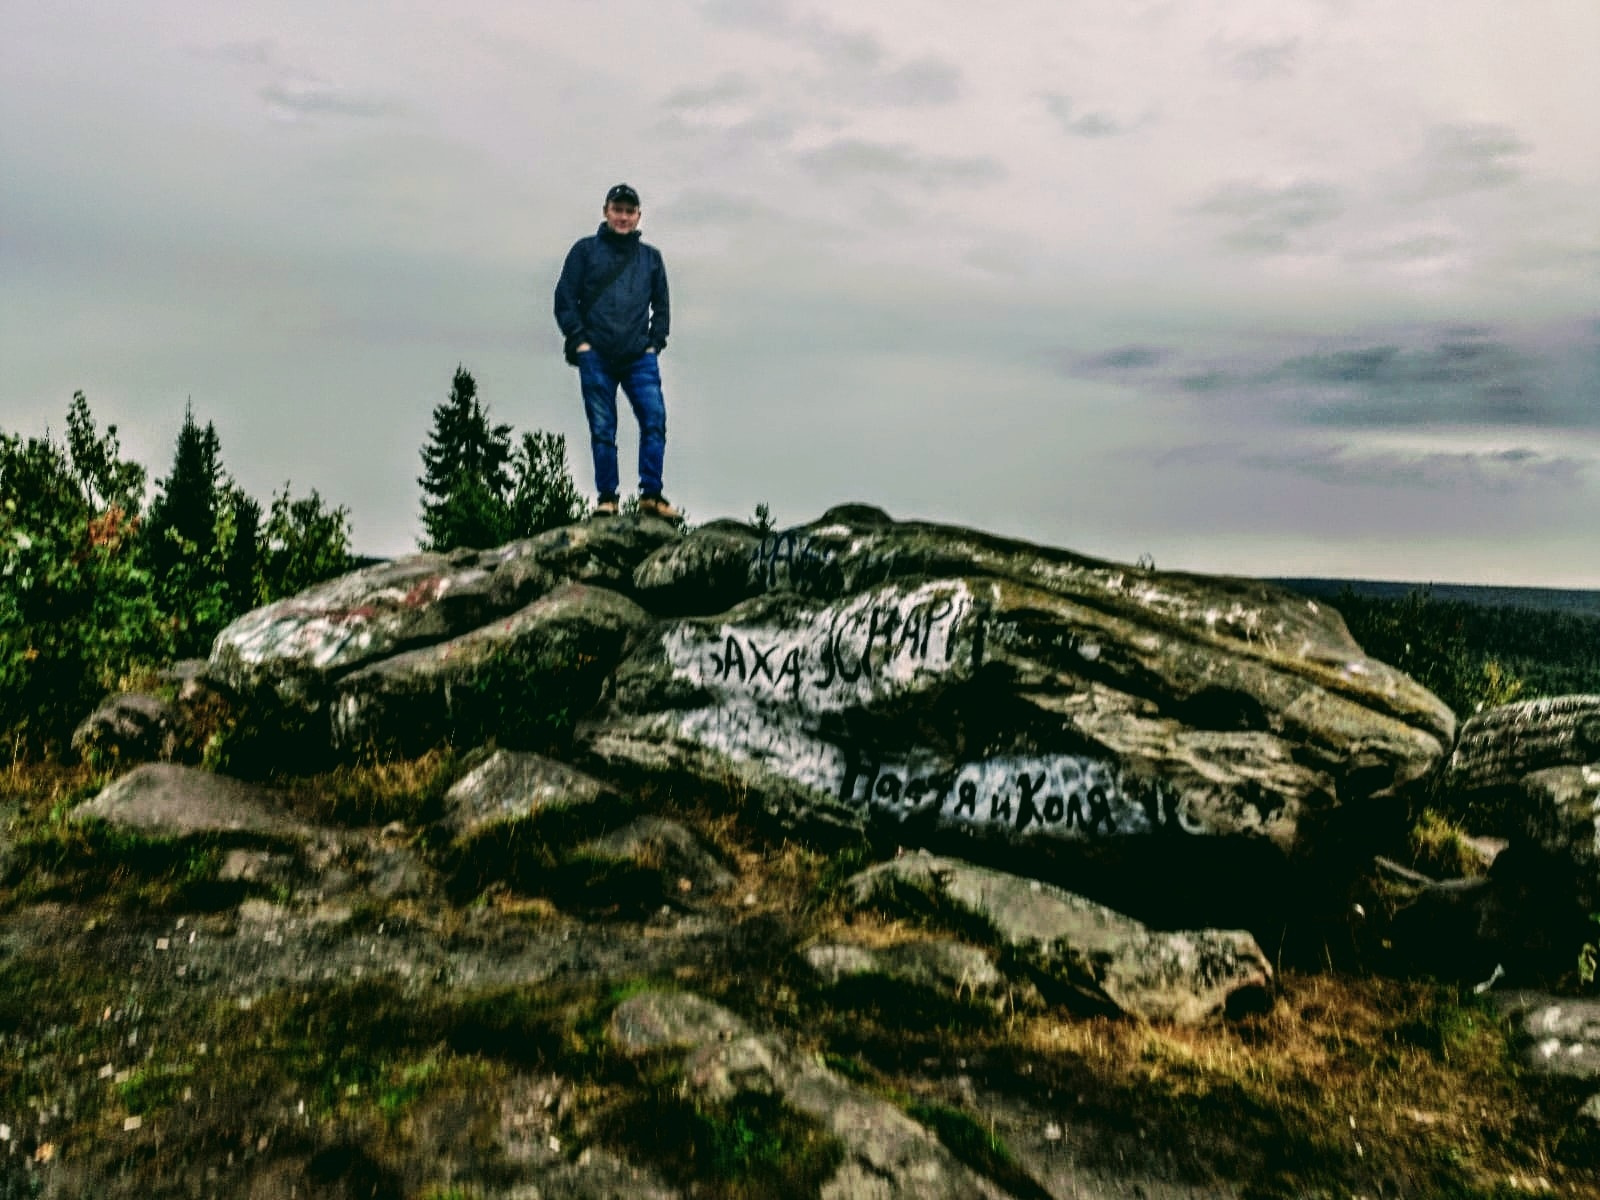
{"x": 631, "y": 315}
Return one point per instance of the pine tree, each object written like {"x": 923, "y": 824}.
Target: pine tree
{"x": 191, "y": 535}
{"x": 181, "y": 531}
{"x": 467, "y": 483}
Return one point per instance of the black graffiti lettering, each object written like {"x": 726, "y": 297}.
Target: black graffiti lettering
{"x": 782, "y": 555}
{"x": 790, "y": 670}
{"x": 881, "y": 623}
{"x": 1027, "y": 810}
{"x": 1054, "y": 807}
{"x": 732, "y": 657}
{"x": 845, "y": 673}
{"x": 856, "y": 769}
{"x": 888, "y": 789}
{"x": 1075, "y": 810}
{"x": 759, "y": 661}
{"x": 941, "y": 785}
{"x": 916, "y": 789}
{"x": 827, "y": 665}
{"x": 1100, "y": 812}
{"x": 1000, "y": 807}
{"x": 910, "y": 633}
{"x": 937, "y": 610}
{"x": 967, "y": 798}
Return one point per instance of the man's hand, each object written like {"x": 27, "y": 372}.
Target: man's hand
{"x": 581, "y": 347}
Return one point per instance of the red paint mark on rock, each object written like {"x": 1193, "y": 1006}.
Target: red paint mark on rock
{"x": 424, "y": 591}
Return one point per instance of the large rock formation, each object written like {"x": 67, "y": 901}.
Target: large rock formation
{"x": 1527, "y": 773}
{"x": 923, "y": 684}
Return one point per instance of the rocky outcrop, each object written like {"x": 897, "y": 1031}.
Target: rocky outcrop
{"x": 1076, "y": 949}
{"x": 162, "y": 800}
{"x": 940, "y": 965}
{"x": 933, "y": 677}
{"x": 886, "y": 1153}
{"x": 131, "y": 726}
{"x": 454, "y": 973}
{"x": 915, "y": 684}
{"x": 1501, "y": 746}
{"x": 1528, "y": 774}
{"x": 299, "y": 647}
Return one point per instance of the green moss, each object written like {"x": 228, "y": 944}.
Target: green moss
{"x": 77, "y": 861}
{"x": 981, "y": 1149}
{"x": 751, "y": 1148}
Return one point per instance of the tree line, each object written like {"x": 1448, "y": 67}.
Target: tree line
{"x": 104, "y": 579}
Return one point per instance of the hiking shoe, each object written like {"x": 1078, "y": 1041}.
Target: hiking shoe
{"x": 606, "y": 507}
{"x": 657, "y": 506}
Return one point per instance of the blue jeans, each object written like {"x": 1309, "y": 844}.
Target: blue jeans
{"x": 641, "y": 383}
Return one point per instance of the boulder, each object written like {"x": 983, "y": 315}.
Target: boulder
{"x": 685, "y": 869}
{"x": 161, "y": 800}
{"x": 910, "y": 683}
{"x": 926, "y": 683}
{"x": 505, "y": 679}
{"x": 706, "y": 572}
{"x": 942, "y": 965}
{"x": 298, "y": 646}
{"x": 1557, "y": 1035}
{"x": 132, "y": 727}
{"x": 1076, "y": 948}
{"x": 653, "y": 1021}
{"x": 887, "y": 1154}
{"x": 1499, "y": 746}
{"x": 1560, "y": 822}
{"x": 1530, "y": 773}
{"x": 511, "y": 787}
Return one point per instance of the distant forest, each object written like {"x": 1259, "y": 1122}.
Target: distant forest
{"x": 1547, "y": 639}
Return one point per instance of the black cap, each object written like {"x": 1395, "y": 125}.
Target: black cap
{"x": 622, "y": 194}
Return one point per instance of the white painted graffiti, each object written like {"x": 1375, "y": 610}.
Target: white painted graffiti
{"x": 1060, "y": 795}
{"x": 878, "y": 644}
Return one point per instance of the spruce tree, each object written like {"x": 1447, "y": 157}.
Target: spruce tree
{"x": 181, "y": 531}
{"x": 191, "y": 535}
{"x": 466, "y": 483}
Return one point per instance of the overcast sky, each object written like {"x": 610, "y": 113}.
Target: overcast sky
{"x": 1265, "y": 287}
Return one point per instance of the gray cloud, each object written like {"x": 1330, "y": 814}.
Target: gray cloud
{"x": 725, "y": 89}
{"x": 1094, "y": 124}
{"x": 921, "y": 81}
{"x": 856, "y": 62}
{"x": 1452, "y": 376}
{"x": 857, "y": 158}
{"x": 1126, "y": 358}
{"x": 260, "y": 53}
{"x": 297, "y": 98}
{"x": 1514, "y": 469}
{"x": 1260, "y": 219}
{"x": 1257, "y": 61}
{"x": 767, "y": 16}
{"x": 1457, "y": 159}
{"x": 1415, "y": 248}
{"x": 701, "y": 207}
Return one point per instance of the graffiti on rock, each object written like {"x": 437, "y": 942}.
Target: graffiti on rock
{"x": 773, "y": 685}
{"x": 801, "y": 561}
{"x": 1059, "y": 794}
{"x": 876, "y": 645}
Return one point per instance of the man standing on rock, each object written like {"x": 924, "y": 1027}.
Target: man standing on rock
{"x": 611, "y": 305}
